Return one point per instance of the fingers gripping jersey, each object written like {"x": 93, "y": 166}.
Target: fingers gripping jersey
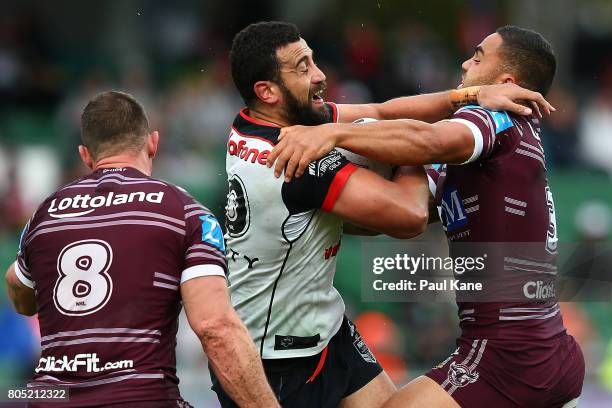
{"x": 106, "y": 256}
{"x": 282, "y": 244}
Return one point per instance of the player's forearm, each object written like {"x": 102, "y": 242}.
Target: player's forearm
{"x": 237, "y": 365}
{"x": 427, "y": 107}
{"x": 415, "y": 189}
{"x": 399, "y": 142}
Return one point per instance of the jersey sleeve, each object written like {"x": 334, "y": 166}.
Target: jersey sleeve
{"x": 320, "y": 185}
{"x": 22, "y": 270}
{"x": 486, "y": 126}
{"x": 333, "y": 112}
{"x": 205, "y": 246}
{"x": 433, "y": 175}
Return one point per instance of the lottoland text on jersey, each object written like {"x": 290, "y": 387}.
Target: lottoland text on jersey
{"x": 419, "y": 271}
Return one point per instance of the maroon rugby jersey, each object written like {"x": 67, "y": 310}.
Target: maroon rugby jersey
{"x": 107, "y": 255}
{"x": 501, "y": 195}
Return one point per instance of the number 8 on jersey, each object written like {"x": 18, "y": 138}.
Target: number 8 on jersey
{"x": 83, "y": 286}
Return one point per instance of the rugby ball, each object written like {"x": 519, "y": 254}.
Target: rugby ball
{"x": 382, "y": 169}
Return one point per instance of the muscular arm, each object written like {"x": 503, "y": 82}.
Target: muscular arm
{"x": 407, "y": 142}
{"x": 426, "y": 107}
{"x": 300, "y": 145}
{"x": 226, "y": 342}
{"x": 437, "y": 106}
{"x": 398, "y": 142}
{"x": 397, "y": 208}
{"x": 22, "y": 297}
{"x": 352, "y": 229}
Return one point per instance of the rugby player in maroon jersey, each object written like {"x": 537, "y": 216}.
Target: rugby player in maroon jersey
{"x": 493, "y": 190}
{"x": 109, "y": 260}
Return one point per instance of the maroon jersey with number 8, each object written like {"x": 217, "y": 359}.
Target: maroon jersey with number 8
{"x": 106, "y": 256}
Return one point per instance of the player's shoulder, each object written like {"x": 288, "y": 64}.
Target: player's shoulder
{"x": 497, "y": 121}
{"x": 52, "y": 200}
{"x": 186, "y": 201}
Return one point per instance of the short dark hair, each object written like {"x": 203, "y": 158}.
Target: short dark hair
{"x": 253, "y": 54}
{"x": 529, "y": 56}
{"x": 113, "y": 122}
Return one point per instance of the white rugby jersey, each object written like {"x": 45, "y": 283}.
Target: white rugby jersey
{"x": 282, "y": 243}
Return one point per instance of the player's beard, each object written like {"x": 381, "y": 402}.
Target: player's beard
{"x": 300, "y": 113}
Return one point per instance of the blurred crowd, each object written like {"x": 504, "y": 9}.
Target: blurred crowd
{"x": 173, "y": 58}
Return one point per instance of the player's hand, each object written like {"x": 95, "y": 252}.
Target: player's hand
{"x": 513, "y": 98}
{"x": 298, "y": 146}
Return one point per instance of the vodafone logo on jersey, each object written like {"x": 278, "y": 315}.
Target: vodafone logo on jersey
{"x": 244, "y": 152}
{"x": 86, "y": 204}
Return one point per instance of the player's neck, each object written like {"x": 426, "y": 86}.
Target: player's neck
{"x": 271, "y": 117}
{"x": 119, "y": 161}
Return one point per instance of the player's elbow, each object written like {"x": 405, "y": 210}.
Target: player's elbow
{"x": 25, "y": 310}
{"x": 25, "y": 307}
{"x": 215, "y": 330}
{"x": 23, "y": 301}
{"x": 412, "y": 223}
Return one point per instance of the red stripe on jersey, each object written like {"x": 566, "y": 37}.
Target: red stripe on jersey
{"x": 336, "y": 186}
{"x": 253, "y": 137}
{"x": 317, "y": 371}
{"x": 255, "y": 121}
{"x": 334, "y": 111}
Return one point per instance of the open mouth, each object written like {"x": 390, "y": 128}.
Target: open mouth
{"x": 317, "y": 97}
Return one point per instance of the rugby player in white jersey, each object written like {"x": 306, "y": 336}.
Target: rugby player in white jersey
{"x": 283, "y": 237}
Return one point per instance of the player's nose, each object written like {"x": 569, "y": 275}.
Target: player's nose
{"x": 466, "y": 64}
{"x": 318, "y": 75}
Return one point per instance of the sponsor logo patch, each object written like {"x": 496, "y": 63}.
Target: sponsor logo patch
{"x": 328, "y": 163}
{"x": 360, "y": 345}
{"x": 247, "y": 153}
{"x": 452, "y": 211}
{"x": 86, "y": 204}
{"x": 237, "y": 209}
{"x": 212, "y": 232}
{"x": 88, "y": 362}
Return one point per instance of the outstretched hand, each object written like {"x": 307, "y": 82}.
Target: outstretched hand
{"x": 513, "y": 98}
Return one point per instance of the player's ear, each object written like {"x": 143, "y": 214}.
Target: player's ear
{"x": 266, "y": 91}
{"x": 152, "y": 144}
{"x": 86, "y": 156}
{"x": 507, "y": 79}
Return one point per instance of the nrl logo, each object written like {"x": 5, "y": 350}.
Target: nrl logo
{"x": 461, "y": 375}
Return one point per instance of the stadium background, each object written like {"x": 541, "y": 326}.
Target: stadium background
{"x": 172, "y": 56}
